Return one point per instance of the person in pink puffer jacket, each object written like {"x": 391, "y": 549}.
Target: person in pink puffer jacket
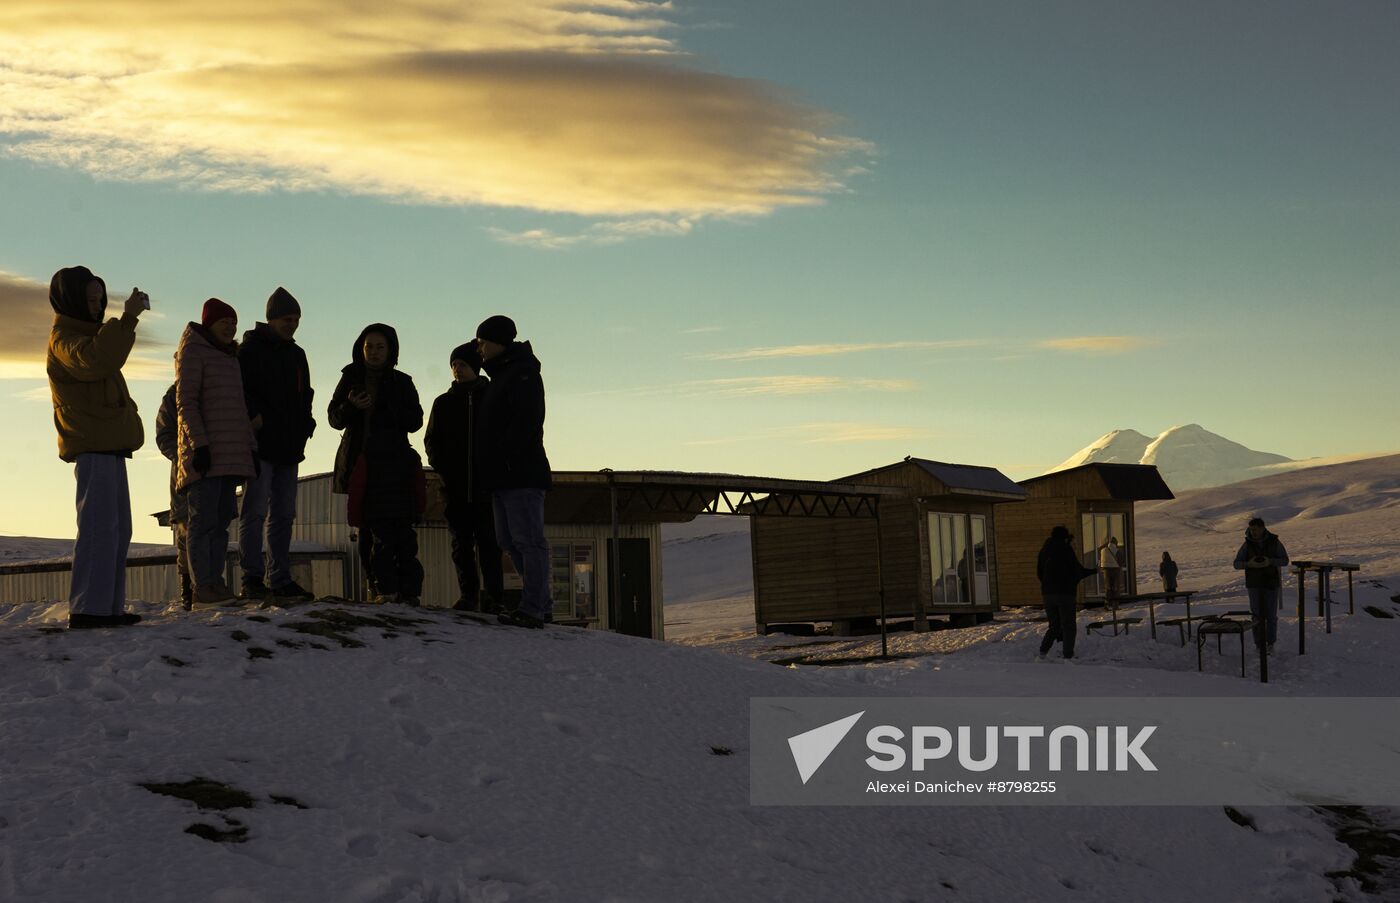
{"x": 216, "y": 441}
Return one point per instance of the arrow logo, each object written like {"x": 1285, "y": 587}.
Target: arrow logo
{"x": 811, "y": 749}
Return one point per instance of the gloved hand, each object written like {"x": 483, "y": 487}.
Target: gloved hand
{"x": 201, "y": 460}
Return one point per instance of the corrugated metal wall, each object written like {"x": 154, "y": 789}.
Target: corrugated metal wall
{"x": 321, "y": 519}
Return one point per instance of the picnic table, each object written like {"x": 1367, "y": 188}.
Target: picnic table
{"x": 1324, "y": 571}
{"x": 1218, "y": 626}
{"x": 1151, "y": 599}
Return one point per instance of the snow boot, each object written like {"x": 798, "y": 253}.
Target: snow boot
{"x": 292, "y": 592}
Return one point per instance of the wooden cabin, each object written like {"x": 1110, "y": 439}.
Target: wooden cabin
{"x": 937, "y": 551}
{"x": 1095, "y": 501}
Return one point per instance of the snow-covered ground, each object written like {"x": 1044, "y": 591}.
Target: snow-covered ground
{"x": 390, "y": 755}
{"x": 422, "y": 756}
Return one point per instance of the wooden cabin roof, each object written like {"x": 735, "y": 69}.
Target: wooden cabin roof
{"x": 1120, "y": 482}
{"x": 970, "y": 480}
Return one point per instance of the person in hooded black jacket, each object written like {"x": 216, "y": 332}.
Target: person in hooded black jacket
{"x": 513, "y": 462}
{"x": 277, "y": 388}
{"x": 451, "y": 441}
{"x": 1060, "y": 571}
{"x": 377, "y": 406}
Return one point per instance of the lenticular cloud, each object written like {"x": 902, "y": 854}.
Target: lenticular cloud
{"x": 540, "y": 105}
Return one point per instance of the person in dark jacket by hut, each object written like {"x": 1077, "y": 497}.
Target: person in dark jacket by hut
{"x": 98, "y": 429}
{"x": 1059, "y": 571}
{"x": 168, "y": 441}
{"x": 451, "y": 442}
{"x": 513, "y": 462}
{"x": 277, "y": 387}
{"x": 1260, "y": 556}
{"x": 377, "y": 407}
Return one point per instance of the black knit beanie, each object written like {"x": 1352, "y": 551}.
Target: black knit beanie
{"x": 468, "y": 354}
{"x": 499, "y": 329}
{"x": 282, "y": 304}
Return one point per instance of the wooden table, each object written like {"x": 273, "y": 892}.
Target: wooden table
{"x": 1324, "y": 590}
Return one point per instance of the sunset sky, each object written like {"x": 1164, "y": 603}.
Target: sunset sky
{"x": 783, "y": 238}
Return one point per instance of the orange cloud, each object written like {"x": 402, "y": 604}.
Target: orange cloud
{"x": 546, "y": 105}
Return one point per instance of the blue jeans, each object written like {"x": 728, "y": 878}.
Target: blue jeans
{"x": 1263, "y": 604}
{"x": 104, "y": 535}
{"x": 212, "y": 503}
{"x": 269, "y": 504}
{"x": 520, "y": 534}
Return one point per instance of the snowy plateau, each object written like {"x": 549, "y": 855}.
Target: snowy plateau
{"x": 356, "y": 754}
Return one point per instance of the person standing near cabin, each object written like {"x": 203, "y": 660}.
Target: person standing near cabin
{"x": 1059, "y": 570}
{"x": 451, "y": 442}
{"x": 168, "y": 441}
{"x": 1168, "y": 571}
{"x": 98, "y": 429}
{"x": 514, "y": 464}
{"x": 277, "y": 388}
{"x": 215, "y": 451}
{"x": 376, "y": 406}
{"x": 1260, "y": 556}
{"x": 1111, "y": 566}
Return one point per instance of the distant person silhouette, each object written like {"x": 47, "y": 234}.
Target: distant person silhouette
{"x": 1260, "y": 556}
{"x": 377, "y": 406}
{"x": 98, "y": 429}
{"x": 216, "y": 444}
{"x": 514, "y": 464}
{"x": 1059, "y": 570}
{"x": 1167, "y": 570}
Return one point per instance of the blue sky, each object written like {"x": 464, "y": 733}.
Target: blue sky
{"x": 788, "y": 239}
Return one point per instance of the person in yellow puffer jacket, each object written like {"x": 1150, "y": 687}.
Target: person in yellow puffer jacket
{"x": 98, "y": 429}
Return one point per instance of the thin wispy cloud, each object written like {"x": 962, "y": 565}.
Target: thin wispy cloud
{"x": 1100, "y": 344}
{"x": 545, "y": 105}
{"x": 698, "y": 330}
{"x": 833, "y": 349}
{"x": 606, "y": 233}
{"x": 742, "y": 386}
{"x": 824, "y": 433}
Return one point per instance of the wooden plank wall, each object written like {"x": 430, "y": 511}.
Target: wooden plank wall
{"x": 1021, "y": 529}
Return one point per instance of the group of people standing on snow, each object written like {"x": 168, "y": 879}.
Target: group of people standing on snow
{"x": 242, "y": 413}
{"x": 1261, "y": 556}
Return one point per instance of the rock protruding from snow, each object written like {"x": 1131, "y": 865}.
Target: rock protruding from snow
{"x": 1188, "y": 457}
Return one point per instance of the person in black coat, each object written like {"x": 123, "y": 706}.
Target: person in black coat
{"x": 514, "y": 465}
{"x": 1060, "y": 571}
{"x": 377, "y": 406}
{"x": 277, "y": 389}
{"x": 168, "y": 441}
{"x": 451, "y": 442}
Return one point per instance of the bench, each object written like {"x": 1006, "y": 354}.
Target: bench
{"x": 1111, "y": 622}
{"x": 1181, "y": 623}
{"x": 1219, "y": 626}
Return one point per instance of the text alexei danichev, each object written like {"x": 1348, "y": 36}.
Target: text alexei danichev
{"x": 961, "y": 787}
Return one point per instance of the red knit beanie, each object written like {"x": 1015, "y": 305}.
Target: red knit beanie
{"x": 215, "y": 310}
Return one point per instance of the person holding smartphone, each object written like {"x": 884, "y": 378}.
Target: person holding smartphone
{"x": 98, "y": 430}
{"x": 1261, "y": 556}
{"x": 377, "y": 406}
